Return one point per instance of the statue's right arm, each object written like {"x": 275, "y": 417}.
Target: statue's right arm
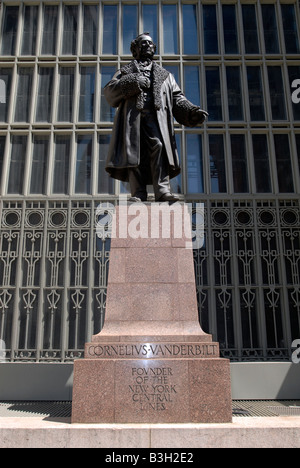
{"x": 122, "y": 87}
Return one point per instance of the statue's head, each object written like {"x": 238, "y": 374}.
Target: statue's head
{"x": 143, "y": 47}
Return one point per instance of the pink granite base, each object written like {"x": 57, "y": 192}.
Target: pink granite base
{"x": 152, "y": 391}
{"x": 152, "y": 362}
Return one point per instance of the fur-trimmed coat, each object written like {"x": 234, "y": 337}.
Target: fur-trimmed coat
{"x": 124, "y": 92}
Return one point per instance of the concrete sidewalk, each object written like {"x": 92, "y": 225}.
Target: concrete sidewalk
{"x": 250, "y": 432}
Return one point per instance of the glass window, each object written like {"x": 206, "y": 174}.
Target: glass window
{"x": 290, "y": 29}
{"x": 44, "y": 98}
{"x": 230, "y": 30}
{"x": 129, "y": 26}
{"x": 107, "y": 112}
{"x": 239, "y": 164}
{"x": 17, "y": 164}
{"x": 294, "y": 74}
{"x": 194, "y": 163}
{"x": 61, "y": 164}
{"x": 174, "y": 69}
{"x": 210, "y": 29}
{"x": 276, "y": 93}
{"x": 110, "y": 28}
{"x": 192, "y": 84}
{"x": 23, "y": 99}
{"x": 10, "y": 28}
{"x": 150, "y": 22}
{"x": 39, "y": 164}
{"x": 270, "y": 29}
{"x": 213, "y": 89}
{"x": 90, "y": 29}
{"x": 283, "y": 162}
{"x": 5, "y": 87}
{"x": 170, "y": 29}
{"x": 87, "y": 94}
{"x": 256, "y": 99}
{"x": 2, "y": 148}
{"x": 217, "y": 164}
{"x": 261, "y": 163}
{"x": 190, "y": 29}
{"x": 49, "y": 30}
{"x": 84, "y": 164}
{"x": 105, "y": 182}
{"x": 70, "y": 30}
{"x": 250, "y": 29}
{"x": 30, "y": 30}
{"x": 66, "y": 91}
{"x": 234, "y": 91}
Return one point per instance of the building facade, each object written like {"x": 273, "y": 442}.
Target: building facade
{"x": 240, "y": 61}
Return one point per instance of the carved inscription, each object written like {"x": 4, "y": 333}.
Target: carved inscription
{"x": 152, "y": 351}
{"x": 152, "y": 388}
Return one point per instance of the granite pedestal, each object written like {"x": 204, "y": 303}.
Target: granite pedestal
{"x": 152, "y": 362}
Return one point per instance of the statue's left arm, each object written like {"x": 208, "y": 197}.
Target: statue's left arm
{"x": 184, "y": 111}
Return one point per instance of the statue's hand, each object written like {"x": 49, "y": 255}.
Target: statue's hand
{"x": 144, "y": 82}
{"x": 198, "y": 116}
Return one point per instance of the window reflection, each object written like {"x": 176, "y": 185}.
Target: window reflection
{"x": 250, "y": 29}
{"x": 230, "y": 30}
{"x": 61, "y": 164}
{"x": 44, "y": 99}
{"x": 39, "y": 164}
{"x": 294, "y": 74}
{"x": 261, "y": 163}
{"x": 192, "y": 84}
{"x": 283, "y": 163}
{"x": 66, "y": 91}
{"x": 239, "y": 164}
{"x": 217, "y": 164}
{"x": 17, "y": 164}
{"x": 150, "y": 23}
{"x": 290, "y": 29}
{"x": 190, "y": 29}
{"x": 29, "y": 30}
{"x": 276, "y": 93}
{"x": 24, "y": 90}
{"x": 83, "y": 164}
{"x": 110, "y": 23}
{"x": 90, "y": 29}
{"x": 210, "y": 29}
{"x": 129, "y": 26}
{"x": 194, "y": 163}
{"x": 170, "y": 29}
{"x": 87, "y": 94}
{"x": 105, "y": 182}
{"x": 10, "y": 27}
{"x": 107, "y": 112}
{"x": 5, "y": 87}
{"x": 214, "y": 98}
{"x": 234, "y": 90}
{"x": 255, "y": 90}
{"x": 70, "y": 30}
{"x": 49, "y": 29}
{"x": 270, "y": 29}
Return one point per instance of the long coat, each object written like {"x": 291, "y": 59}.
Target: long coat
{"x": 124, "y": 92}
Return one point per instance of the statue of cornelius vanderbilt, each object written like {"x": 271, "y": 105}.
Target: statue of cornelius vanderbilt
{"x": 143, "y": 148}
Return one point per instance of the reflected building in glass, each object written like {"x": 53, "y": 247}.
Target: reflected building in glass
{"x": 236, "y": 59}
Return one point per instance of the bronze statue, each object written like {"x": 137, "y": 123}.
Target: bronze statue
{"x": 143, "y": 148}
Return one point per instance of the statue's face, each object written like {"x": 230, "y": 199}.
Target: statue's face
{"x": 145, "y": 48}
